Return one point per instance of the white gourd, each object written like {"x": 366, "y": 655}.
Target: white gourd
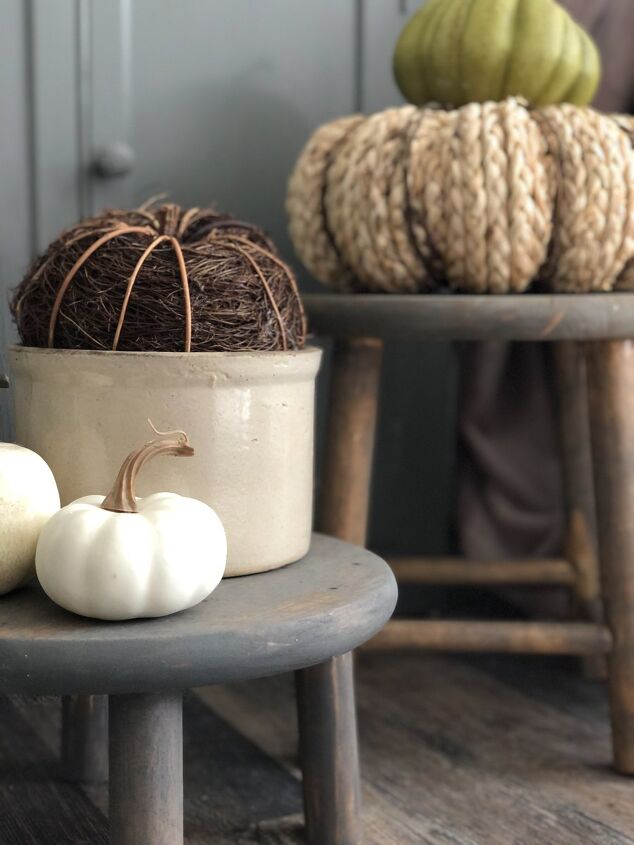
{"x": 28, "y": 498}
{"x": 120, "y": 557}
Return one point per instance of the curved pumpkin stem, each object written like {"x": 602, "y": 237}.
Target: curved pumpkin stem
{"x": 186, "y": 220}
{"x": 166, "y": 433}
{"x": 122, "y": 499}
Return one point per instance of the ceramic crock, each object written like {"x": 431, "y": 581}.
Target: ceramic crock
{"x": 249, "y": 416}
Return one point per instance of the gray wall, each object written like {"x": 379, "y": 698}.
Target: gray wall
{"x": 215, "y": 98}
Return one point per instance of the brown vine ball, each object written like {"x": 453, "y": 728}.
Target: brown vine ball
{"x": 160, "y": 278}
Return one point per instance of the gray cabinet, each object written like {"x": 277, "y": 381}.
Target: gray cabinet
{"x": 215, "y": 99}
{"x": 108, "y": 102}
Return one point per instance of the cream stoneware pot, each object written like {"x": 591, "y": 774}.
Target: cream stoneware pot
{"x": 249, "y": 417}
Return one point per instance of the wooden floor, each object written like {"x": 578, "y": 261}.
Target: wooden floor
{"x": 483, "y": 751}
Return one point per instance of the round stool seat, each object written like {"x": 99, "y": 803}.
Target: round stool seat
{"x": 325, "y": 605}
{"x": 449, "y": 317}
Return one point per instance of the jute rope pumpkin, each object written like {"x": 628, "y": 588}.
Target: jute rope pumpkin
{"x": 160, "y": 278}
{"x": 488, "y": 198}
{"x": 308, "y": 219}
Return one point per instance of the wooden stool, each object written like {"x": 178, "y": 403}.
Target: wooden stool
{"x": 589, "y": 329}
{"x": 306, "y": 617}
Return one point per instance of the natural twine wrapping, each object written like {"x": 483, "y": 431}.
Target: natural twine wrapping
{"x": 488, "y": 198}
{"x": 161, "y": 278}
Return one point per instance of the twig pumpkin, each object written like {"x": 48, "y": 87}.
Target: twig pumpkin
{"x": 161, "y": 278}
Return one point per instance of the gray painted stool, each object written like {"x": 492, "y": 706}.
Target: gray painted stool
{"x": 306, "y": 617}
{"x": 592, "y": 336}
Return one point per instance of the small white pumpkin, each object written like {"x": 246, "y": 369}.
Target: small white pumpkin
{"x": 120, "y": 557}
{"x": 28, "y": 498}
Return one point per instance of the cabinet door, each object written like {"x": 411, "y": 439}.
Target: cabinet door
{"x": 15, "y": 201}
{"x": 215, "y": 99}
{"x": 42, "y": 52}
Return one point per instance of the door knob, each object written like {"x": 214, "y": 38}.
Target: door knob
{"x": 114, "y": 160}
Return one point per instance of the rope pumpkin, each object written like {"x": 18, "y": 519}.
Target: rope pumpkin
{"x": 488, "y": 198}
{"x": 160, "y": 278}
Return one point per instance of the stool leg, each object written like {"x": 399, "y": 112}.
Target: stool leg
{"x": 576, "y": 459}
{"x": 146, "y": 769}
{"x": 611, "y": 395}
{"x": 329, "y": 752}
{"x": 343, "y": 506}
{"x": 85, "y": 738}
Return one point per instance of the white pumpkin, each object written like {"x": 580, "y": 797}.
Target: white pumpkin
{"x": 28, "y": 498}
{"x": 122, "y": 558}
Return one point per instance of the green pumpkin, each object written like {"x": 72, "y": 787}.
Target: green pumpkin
{"x": 460, "y": 51}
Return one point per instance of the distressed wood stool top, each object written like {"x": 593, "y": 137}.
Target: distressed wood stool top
{"x": 537, "y": 317}
{"x": 328, "y": 603}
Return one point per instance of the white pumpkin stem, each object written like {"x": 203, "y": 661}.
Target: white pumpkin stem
{"x": 121, "y": 498}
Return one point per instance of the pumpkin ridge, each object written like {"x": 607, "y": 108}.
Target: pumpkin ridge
{"x": 325, "y": 188}
{"x": 619, "y": 210}
{"x": 556, "y": 70}
{"x": 344, "y": 199}
{"x": 614, "y": 209}
{"x": 525, "y": 177}
{"x": 488, "y": 43}
{"x": 557, "y": 276}
{"x": 428, "y": 42}
{"x": 353, "y": 239}
{"x": 461, "y": 52}
{"x": 456, "y": 235}
{"x": 575, "y": 82}
{"x": 551, "y": 146}
{"x": 439, "y": 58}
{"x": 509, "y": 198}
{"x": 511, "y": 53}
{"x": 584, "y": 75}
{"x": 358, "y": 245}
{"x": 423, "y": 209}
{"x": 391, "y": 212}
{"x": 407, "y": 61}
{"x": 497, "y": 237}
{"x": 421, "y": 232}
{"x": 572, "y": 42}
{"x": 400, "y": 203}
{"x": 474, "y": 194}
{"x": 627, "y": 243}
{"x": 309, "y": 225}
{"x": 574, "y": 269}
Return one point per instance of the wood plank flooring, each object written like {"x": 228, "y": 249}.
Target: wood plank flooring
{"x": 455, "y": 751}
